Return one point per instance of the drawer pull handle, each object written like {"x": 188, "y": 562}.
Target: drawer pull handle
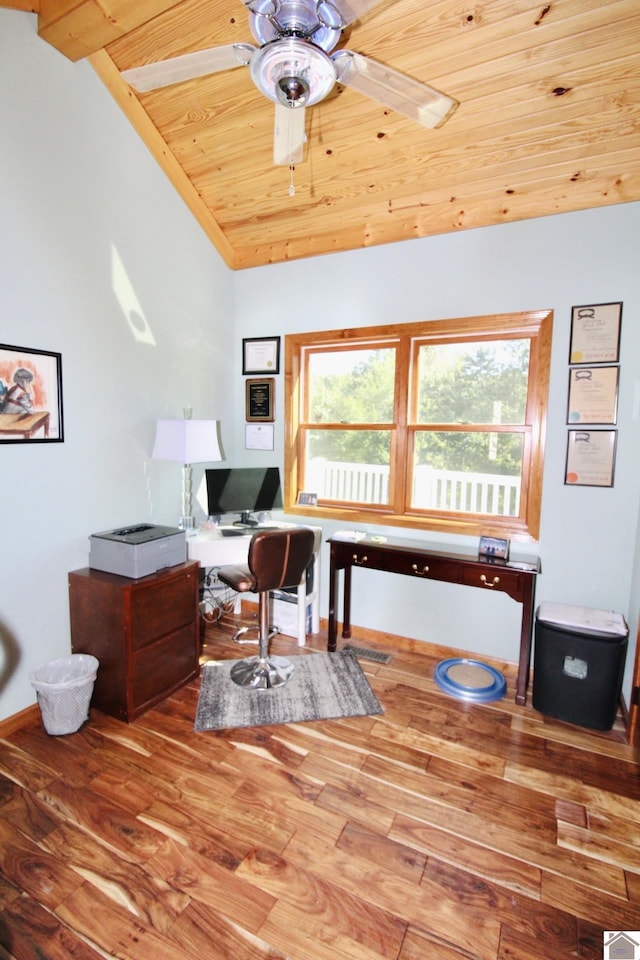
{"x": 494, "y": 582}
{"x": 359, "y": 560}
{"x": 419, "y": 573}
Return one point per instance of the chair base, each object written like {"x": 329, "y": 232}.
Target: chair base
{"x": 262, "y": 673}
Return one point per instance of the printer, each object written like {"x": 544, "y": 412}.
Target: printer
{"x": 138, "y": 550}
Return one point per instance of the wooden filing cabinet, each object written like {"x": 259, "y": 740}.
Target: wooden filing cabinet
{"x": 145, "y": 634}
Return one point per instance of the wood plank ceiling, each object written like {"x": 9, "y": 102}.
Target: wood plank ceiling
{"x": 549, "y": 119}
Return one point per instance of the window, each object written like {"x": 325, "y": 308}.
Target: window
{"x": 436, "y": 425}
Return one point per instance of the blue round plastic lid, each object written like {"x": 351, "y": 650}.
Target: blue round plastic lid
{"x": 470, "y": 680}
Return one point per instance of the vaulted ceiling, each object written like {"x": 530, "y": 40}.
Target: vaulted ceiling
{"x": 548, "y": 122}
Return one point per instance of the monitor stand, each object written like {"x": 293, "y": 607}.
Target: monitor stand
{"x": 245, "y": 520}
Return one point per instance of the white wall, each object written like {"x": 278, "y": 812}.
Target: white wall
{"x": 588, "y": 535}
{"x": 101, "y": 262}
{"x": 79, "y": 192}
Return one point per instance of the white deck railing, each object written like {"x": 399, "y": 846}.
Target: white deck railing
{"x": 335, "y": 480}
{"x": 488, "y": 493}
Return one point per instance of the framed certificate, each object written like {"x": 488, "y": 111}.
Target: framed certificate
{"x": 595, "y": 333}
{"x": 593, "y": 395}
{"x": 258, "y": 436}
{"x": 591, "y": 458}
{"x": 261, "y": 355}
{"x": 259, "y": 399}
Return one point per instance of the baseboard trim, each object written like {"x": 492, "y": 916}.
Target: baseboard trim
{"x": 19, "y": 720}
{"x": 394, "y": 641}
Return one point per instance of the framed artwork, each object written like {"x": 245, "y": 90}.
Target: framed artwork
{"x": 595, "y": 333}
{"x": 591, "y": 458}
{"x": 30, "y": 395}
{"x": 261, "y": 355}
{"x": 260, "y": 400}
{"x": 593, "y": 395}
{"x": 307, "y": 499}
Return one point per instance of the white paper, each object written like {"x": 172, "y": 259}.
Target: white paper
{"x": 259, "y": 436}
{"x": 587, "y": 618}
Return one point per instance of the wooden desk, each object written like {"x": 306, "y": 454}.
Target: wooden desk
{"x": 409, "y": 557}
{"x": 211, "y": 549}
{"x": 21, "y": 425}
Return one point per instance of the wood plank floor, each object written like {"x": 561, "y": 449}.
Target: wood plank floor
{"x": 439, "y": 829}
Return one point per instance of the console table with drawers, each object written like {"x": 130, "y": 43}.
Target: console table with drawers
{"x": 411, "y": 558}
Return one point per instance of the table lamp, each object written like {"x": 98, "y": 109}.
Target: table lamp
{"x": 187, "y": 441}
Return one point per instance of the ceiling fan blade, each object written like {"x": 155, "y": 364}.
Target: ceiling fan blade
{"x": 404, "y": 94}
{"x": 351, "y": 10}
{"x": 188, "y": 66}
{"x": 289, "y": 135}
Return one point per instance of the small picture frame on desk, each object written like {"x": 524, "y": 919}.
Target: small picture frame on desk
{"x": 306, "y": 499}
{"x": 493, "y": 548}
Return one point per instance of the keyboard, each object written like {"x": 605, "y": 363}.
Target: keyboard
{"x": 245, "y": 531}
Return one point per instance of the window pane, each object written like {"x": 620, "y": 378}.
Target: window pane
{"x": 483, "y": 382}
{"x": 351, "y": 386}
{"x": 351, "y": 465}
{"x": 468, "y": 472}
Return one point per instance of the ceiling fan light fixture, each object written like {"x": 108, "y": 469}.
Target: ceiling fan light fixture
{"x": 292, "y": 91}
{"x": 293, "y": 72}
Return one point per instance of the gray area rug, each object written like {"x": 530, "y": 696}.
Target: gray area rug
{"x": 324, "y": 686}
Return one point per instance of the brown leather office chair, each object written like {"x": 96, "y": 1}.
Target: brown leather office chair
{"x": 277, "y": 559}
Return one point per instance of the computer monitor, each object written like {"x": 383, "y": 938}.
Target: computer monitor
{"x": 243, "y": 490}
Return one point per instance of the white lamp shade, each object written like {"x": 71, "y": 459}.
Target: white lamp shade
{"x": 187, "y": 441}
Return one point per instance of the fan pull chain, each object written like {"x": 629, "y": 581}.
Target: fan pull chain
{"x": 292, "y": 189}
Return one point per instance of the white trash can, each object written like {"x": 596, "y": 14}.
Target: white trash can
{"x": 64, "y": 688}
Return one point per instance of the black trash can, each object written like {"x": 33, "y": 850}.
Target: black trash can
{"x": 578, "y": 664}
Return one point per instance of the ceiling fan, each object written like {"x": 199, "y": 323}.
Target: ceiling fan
{"x": 293, "y": 68}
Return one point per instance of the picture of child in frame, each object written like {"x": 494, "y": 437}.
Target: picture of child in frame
{"x": 493, "y": 548}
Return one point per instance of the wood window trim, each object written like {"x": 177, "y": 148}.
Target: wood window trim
{"x": 535, "y": 324}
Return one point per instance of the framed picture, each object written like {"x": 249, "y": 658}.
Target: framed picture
{"x": 307, "y": 499}
{"x": 595, "y": 333}
{"x": 261, "y": 355}
{"x": 260, "y": 400}
{"x": 591, "y": 458}
{"x": 30, "y": 395}
{"x": 258, "y": 436}
{"x": 593, "y": 395}
{"x": 493, "y": 548}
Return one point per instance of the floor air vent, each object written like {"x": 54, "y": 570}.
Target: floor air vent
{"x": 368, "y": 654}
